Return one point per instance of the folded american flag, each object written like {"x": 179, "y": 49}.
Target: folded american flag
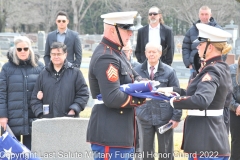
{"x": 143, "y": 89}
{"x": 12, "y": 149}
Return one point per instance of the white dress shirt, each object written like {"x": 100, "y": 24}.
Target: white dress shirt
{"x": 155, "y": 68}
{"x": 154, "y": 34}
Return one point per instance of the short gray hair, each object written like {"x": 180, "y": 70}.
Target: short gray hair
{"x": 155, "y": 45}
{"x": 205, "y": 8}
{"x": 25, "y": 39}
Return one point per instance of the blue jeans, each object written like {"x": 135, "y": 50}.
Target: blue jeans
{"x": 192, "y": 70}
{"x": 112, "y": 153}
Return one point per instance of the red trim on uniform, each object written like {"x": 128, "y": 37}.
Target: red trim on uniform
{"x": 127, "y": 101}
{"x": 135, "y": 129}
{"x": 104, "y": 51}
{"x": 178, "y": 99}
{"x": 106, "y": 153}
{"x": 119, "y": 51}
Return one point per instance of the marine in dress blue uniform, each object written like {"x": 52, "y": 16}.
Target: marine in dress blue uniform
{"x": 111, "y": 128}
{"x": 205, "y": 135}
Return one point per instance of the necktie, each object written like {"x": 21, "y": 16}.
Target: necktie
{"x": 152, "y": 74}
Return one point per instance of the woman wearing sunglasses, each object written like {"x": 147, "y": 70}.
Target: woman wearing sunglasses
{"x": 17, "y": 80}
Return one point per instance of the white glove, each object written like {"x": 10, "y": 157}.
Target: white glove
{"x": 155, "y": 83}
{"x": 171, "y": 102}
{"x": 165, "y": 89}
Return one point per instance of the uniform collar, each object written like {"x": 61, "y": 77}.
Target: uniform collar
{"x": 213, "y": 60}
{"x": 111, "y": 44}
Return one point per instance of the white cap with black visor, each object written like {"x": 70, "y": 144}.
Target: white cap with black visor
{"x": 123, "y": 20}
{"x": 210, "y": 34}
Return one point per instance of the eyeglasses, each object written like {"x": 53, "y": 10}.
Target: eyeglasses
{"x": 63, "y": 21}
{"x": 153, "y": 13}
{"x": 20, "y": 49}
{"x": 56, "y": 54}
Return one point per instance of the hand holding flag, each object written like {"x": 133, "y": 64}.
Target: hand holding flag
{"x": 144, "y": 89}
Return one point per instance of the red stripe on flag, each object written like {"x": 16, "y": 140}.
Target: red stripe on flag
{"x": 195, "y": 157}
{"x": 106, "y": 153}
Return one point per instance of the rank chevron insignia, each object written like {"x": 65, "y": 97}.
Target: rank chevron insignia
{"x": 207, "y": 77}
{"x": 112, "y": 73}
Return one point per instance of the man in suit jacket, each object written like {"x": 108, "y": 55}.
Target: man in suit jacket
{"x": 156, "y": 32}
{"x": 68, "y": 37}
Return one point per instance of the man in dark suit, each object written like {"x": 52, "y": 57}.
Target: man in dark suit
{"x": 155, "y": 32}
{"x": 68, "y": 37}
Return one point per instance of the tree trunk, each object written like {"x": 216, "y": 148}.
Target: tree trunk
{"x": 75, "y": 15}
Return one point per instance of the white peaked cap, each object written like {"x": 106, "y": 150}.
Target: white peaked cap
{"x": 119, "y": 17}
{"x": 214, "y": 34}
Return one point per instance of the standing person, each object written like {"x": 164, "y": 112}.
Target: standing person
{"x": 235, "y": 111}
{"x": 128, "y": 52}
{"x": 189, "y": 49}
{"x": 68, "y": 37}
{"x": 205, "y": 135}
{"x": 156, "y": 32}
{"x": 111, "y": 125}
{"x": 154, "y": 113}
{"x": 61, "y": 86}
{"x": 17, "y": 80}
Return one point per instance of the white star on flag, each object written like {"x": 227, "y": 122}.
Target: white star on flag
{"x": 124, "y": 86}
{"x": 138, "y": 91}
{"x": 4, "y": 135}
{"x": 8, "y": 153}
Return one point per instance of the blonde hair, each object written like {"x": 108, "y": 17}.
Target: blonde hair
{"x": 223, "y": 47}
{"x": 25, "y": 39}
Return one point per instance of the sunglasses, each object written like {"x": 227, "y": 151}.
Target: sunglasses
{"x": 20, "y": 49}
{"x": 153, "y": 13}
{"x": 63, "y": 21}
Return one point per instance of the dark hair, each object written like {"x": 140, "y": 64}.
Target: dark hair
{"x": 62, "y": 13}
{"x": 58, "y": 45}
